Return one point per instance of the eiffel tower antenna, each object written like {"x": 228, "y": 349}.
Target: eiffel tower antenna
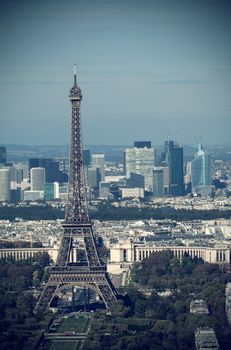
{"x": 77, "y": 225}
{"x": 75, "y": 79}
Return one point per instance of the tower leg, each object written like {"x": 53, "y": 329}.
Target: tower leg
{"x": 46, "y": 298}
{"x": 107, "y": 291}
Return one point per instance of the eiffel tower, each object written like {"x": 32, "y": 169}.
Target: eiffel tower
{"x": 77, "y": 225}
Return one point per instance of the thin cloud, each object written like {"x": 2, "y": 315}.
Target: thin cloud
{"x": 181, "y": 82}
{"x": 224, "y": 105}
{"x": 33, "y": 82}
{"x": 61, "y": 82}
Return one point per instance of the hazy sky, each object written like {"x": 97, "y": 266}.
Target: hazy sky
{"x": 147, "y": 69}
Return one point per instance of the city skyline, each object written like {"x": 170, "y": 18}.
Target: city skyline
{"x": 147, "y": 70}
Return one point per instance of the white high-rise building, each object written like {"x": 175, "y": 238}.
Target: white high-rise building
{"x": 4, "y": 184}
{"x": 98, "y": 161}
{"x": 23, "y": 166}
{"x": 56, "y": 189}
{"x": 93, "y": 176}
{"x": 140, "y": 161}
{"x": 38, "y": 178}
{"x": 166, "y": 179}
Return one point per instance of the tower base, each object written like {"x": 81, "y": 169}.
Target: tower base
{"x": 95, "y": 278}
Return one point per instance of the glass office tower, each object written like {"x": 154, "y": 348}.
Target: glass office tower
{"x": 174, "y": 160}
{"x": 200, "y": 169}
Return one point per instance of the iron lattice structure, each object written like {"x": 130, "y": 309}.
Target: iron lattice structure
{"x": 77, "y": 224}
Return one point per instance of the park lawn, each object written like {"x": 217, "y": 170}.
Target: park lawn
{"x": 65, "y": 345}
{"x": 86, "y": 326}
{"x": 78, "y": 325}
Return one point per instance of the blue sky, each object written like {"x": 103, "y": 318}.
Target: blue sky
{"x": 147, "y": 70}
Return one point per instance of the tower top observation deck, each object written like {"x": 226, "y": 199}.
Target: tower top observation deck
{"x": 75, "y": 91}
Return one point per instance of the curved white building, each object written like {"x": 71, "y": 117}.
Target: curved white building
{"x": 125, "y": 253}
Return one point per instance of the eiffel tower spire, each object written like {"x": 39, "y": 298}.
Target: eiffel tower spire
{"x": 77, "y": 207}
{"x": 77, "y": 225}
{"x": 75, "y": 79}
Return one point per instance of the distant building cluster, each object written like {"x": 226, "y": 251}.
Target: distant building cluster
{"x": 145, "y": 173}
{"x": 169, "y": 175}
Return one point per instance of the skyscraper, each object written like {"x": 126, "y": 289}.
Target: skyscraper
{"x": 22, "y": 166}
{"x": 16, "y": 195}
{"x": 98, "y": 161}
{"x": 4, "y": 184}
{"x": 51, "y": 191}
{"x": 33, "y": 163}
{"x": 51, "y": 167}
{"x": 166, "y": 179}
{"x": 2, "y": 155}
{"x": 142, "y": 144}
{"x": 200, "y": 169}
{"x": 86, "y": 157}
{"x": 140, "y": 160}
{"x": 158, "y": 182}
{"x": 16, "y": 175}
{"x": 37, "y": 178}
{"x": 104, "y": 189}
{"x": 93, "y": 177}
{"x": 174, "y": 160}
